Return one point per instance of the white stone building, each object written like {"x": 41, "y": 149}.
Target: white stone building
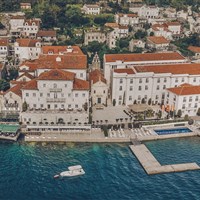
{"x": 142, "y": 83}
{"x": 31, "y": 27}
{"x": 196, "y": 51}
{"x": 16, "y": 25}
{"x": 27, "y": 49}
{"x": 185, "y": 98}
{"x": 56, "y": 96}
{"x": 121, "y": 61}
{"x": 25, "y": 6}
{"x": 91, "y": 9}
{"x": 149, "y": 12}
{"x": 127, "y": 19}
{"x": 94, "y": 35}
{"x": 4, "y": 49}
{"x": 133, "y": 44}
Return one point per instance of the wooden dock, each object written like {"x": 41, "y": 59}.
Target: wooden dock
{"x": 152, "y": 166}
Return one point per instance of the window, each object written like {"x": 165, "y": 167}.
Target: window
{"x": 158, "y": 80}
{"x": 156, "y": 96}
{"x": 146, "y": 87}
{"x": 44, "y": 85}
{"x": 130, "y": 98}
{"x": 54, "y": 85}
{"x": 120, "y": 88}
{"x": 131, "y": 88}
{"x": 83, "y": 95}
{"x": 164, "y": 86}
{"x": 62, "y": 94}
{"x": 81, "y": 75}
{"x": 194, "y": 80}
{"x": 182, "y": 79}
{"x": 62, "y": 106}
{"x": 195, "y": 105}
{"x": 183, "y": 106}
{"x": 140, "y": 88}
{"x": 176, "y": 80}
{"x": 48, "y": 94}
{"x": 190, "y": 100}
{"x": 197, "y": 98}
{"x": 158, "y": 87}
{"x": 131, "y": 81}
{"x": 69, "y": 106}
{"x": 55, "y": 106}
{"x": 121, "y": 80}
{"x": 120, "y": 97}
{"x": 140, "y": 80}
{"x": 76, "y": 95}
{"x": 139, "y": 97}
{"x": 147, "y": 80}
{"x": 34, "y": 105}
{"x": 94, "y": 91}
{"x": 76, "y": 106}
{"x": 69, "y": 95}
{"x": 184, "y": 99}
{"x": 27, "y": 94}
{"x": 41, "y": 94}
{"x": 41, "y": 105}
{"x": 34, "y": 94}
{"x": 165, "y": 80}
{"x": 145, "y": 96}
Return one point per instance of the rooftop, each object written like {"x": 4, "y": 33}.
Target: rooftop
{"x": 191, "y": 68}
{"x": 158, "y": 40}
{"x": 194, "y": 49}
{"x": 144, "y": 57}
{"x": 124, "y": 71}
{"x": 185, "y": 89}
{"x": 49, "y": 33}
{"x": 96, "y": 75}
{"x": 27, "y": 42}
{"x": 3, "y": 42}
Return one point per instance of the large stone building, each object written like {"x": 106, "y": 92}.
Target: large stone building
{"x": 127, "y": 19}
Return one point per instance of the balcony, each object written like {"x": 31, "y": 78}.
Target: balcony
{"x": 58, "y": 100}
{"x": 55, "y": 90}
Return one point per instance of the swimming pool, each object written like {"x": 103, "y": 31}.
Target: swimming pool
{"x": 172, "y": 131}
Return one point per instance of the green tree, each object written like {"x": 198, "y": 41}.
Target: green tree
{"x": 4, "y": 85}
{"x": 140, "y": 34}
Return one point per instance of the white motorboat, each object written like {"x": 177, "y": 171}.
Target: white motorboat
{"x": 76, "y": 170}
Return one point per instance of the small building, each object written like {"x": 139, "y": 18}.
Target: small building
{"x": 4, "y": 48}
{"x": 25, "y": 6}
{"x": 196, "y": 51}
{"x": 48, "y": 36}
{"x": 133, "y": 44}
{"x": 27, "y": 49}
{"x": 185, "y": 98}
{"x": 16, "y": 24}
{"x": 91, "y": 9}
{"x": 127, "y": 19}
{"x": 159, "y": 43}
{"x": 94, "y": 35}
{"x": 149, "y": 12}
{"x": 98, "y": 87}
{"x": 31, "y": 27}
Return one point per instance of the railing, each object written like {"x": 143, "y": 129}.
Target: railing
{"x": 58, "y": 100}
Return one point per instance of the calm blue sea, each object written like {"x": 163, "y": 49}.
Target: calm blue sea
{"x": 112, "y": 172}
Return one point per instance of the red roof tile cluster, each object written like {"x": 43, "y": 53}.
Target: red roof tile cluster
{"x": 31, "y": 85}
{"x": 31, "y": 21}
{"x": 185, "y": 89}
{"x": 79, "y": 84}
{"x": 144, "y": 57}
{"x": 49, "y": 33}
{"x": 128, "y": 15}
{"x": 158, "y": 40}
{"x": 73, "y": 50}
{"x": 194, "y": 49}
{"x": 95, "y": 76}
{"x": 3, "y": 42}
{"x": 191, "y": 69}
{"x": 16, "y": 89}
{"x": 112, "y": 25}
{"x": 124, "y": 71}
{"x": 25, "y": 74}
{"x": 27, "y": 42}
{"x": 56, "y": 74}
{"x": 17, "y": 17}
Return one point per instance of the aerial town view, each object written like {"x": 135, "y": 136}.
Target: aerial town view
{"x": 100, "y": 99}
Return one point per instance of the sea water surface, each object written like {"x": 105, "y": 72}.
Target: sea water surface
{"x": 112, "y": 172}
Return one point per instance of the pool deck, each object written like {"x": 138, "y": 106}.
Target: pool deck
{"x": 152, "y": 166}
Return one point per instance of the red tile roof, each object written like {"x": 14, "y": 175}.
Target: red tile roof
{"x": 31, "y": 21}
{"x": 3, "y": 42}
{"x": 31, "y": 85}
{"x": 124, "y": 71}
{"x": 49, "y": 33}
{"x": 16, "y": 89}
{"x": 158, "y": 40}
{"x": 17, "y": 17}
{"x": 191, "y": 69}
{"x": 80, "y": 84}
{"x": 112, "y": 25}
{"x": 27, "y": 42}
{"x": 144, "y": 57}
{"x": 95, "y": 76}
{"x": 25, "y": 74}
{"x": 56, "y": 74}
{"x": 128, "y": 15}
{"x": 62, "y": 50}
{"x": 194, "y": 49}
{"x": 172, "y": 24}
{"x": 185, "y": 89}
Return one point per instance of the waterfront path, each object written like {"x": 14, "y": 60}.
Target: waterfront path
{"x": 152, "y": 166}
